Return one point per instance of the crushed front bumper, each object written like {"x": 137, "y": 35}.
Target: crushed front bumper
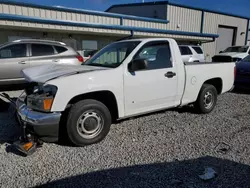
{"x": 43, "y": 125}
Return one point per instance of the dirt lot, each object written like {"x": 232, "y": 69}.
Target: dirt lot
{"x": 166, "y": 149}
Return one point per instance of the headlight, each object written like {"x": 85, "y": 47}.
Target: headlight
{"x": 42, "y": 98}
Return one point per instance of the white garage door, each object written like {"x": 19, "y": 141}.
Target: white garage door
{"x": 226, "y": 37}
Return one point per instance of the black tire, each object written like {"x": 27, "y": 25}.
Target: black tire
{"x": 200, "y": 105}
{"x": 75, "y": 129}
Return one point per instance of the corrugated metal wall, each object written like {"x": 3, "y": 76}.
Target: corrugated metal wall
{"x": 136, "y": 23}
{"x": 57, "y": 15}
{"x": 58, "y": 36}
{"x": 187, "y": 19}
{"x": 211, "y": 24}
{"x": 71, "y": 16}
{"x": 181, "y": 19}
{"x": 81, "y": 17}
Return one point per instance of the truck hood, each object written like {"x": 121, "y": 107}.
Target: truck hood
{"x": 233, "y": 54}
{"x": 44, "y": 73}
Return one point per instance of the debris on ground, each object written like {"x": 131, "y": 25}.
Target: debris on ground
{"x": 209, "y": 174}
{"x": 222, "y": 147}
{"x": 4, "y": 146}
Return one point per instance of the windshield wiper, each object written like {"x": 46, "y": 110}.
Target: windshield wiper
{"x": 100, "y": 65}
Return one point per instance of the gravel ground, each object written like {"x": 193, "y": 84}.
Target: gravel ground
{"x": 167, "y": 149}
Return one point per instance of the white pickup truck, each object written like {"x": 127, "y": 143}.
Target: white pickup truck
{"x": 232, "y": 53}
{"x": 124, "y": 79}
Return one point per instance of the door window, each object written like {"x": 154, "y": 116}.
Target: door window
{"x": 185, "y": 50}
{"x": 42, "y": 50}
{"x": 13, "y": 51}
{"x": 157, "y": 54}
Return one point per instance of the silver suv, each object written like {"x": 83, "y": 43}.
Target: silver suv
{"x": 20, "y": 54}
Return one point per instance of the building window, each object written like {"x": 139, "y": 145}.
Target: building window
{"x": 89, "y": 47}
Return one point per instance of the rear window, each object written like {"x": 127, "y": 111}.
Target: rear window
{"x": 198, "y": 50}
{"x": 185, "y": 50}
{"x": 42, "y": 50}
{"x": 60, "y": 49}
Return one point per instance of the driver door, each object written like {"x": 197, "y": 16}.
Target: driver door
{"x": 151, "y": 89}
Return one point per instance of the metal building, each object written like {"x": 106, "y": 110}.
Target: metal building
{"x": 232, "y": 29}
{"x": 86, "y": 30}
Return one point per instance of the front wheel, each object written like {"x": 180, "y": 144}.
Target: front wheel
{"x": 207, "y": 99}
{"x": 88, "y": 122}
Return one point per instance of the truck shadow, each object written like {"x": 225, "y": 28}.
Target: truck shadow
{"x": 173, "y": 174}
{"x": 243, "y": 91}
{"x": 185, "y": 109}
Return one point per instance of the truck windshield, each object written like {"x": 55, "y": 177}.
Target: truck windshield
{"x": 240, "y": 49}
{"x": 112, "y": 55}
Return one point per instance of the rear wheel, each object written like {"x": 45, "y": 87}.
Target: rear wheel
{"x": 207, "y": 99}
{"x": 88, "y": 122}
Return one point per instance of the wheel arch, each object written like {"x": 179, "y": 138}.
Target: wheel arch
{"x": 105, "y": 96}
{"x": 216, "y": 82}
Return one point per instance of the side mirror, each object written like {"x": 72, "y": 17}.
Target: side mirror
{"x": 138, "y": 64}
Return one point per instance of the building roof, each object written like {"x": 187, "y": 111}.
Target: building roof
{"x": 175, "y": 4}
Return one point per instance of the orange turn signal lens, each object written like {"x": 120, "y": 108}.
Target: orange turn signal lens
{"x": 27, "y": 146}
{"x": 47, "y": 103}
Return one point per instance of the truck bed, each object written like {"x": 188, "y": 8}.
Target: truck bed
{"x": 220, "y": 73}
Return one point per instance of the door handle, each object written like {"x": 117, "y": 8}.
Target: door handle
{"x": 170, "y": 74}
{"x": 22, "y": 62}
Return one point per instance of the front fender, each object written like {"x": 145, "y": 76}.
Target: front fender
{"x": 72, "y": 86}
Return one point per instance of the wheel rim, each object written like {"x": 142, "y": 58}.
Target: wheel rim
{"x": 208, "y": 100}
{"x": 89, "y": 124}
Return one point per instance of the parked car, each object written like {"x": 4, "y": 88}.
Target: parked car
{"x": 190, "y": 53}
{"x": 20, "y": 54}
{"x": 242, "y": 80}
{"x": 233, "y": 53}
{"x": 117, "y": 83}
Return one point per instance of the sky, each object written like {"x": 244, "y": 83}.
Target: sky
{"x": 238, "y": 7}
